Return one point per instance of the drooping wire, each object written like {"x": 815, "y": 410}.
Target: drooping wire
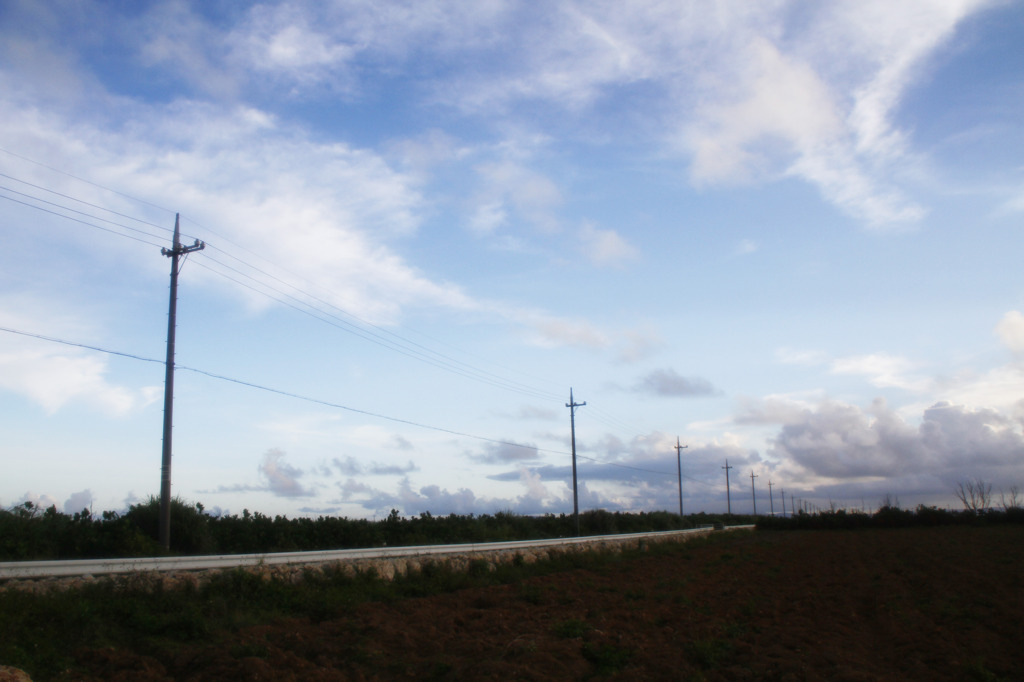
{"x": 326, "y": 403}
{"x": 426, "y": 354}
{"x": 78, "y": 220}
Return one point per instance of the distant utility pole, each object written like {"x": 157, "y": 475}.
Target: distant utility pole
{"x": 783, "y": 492}
{"x": 792, "y": 505}
{"x": 753, "y": 493}
{"x": 572, "y": 405}
{"x": 771, "y": 500}
{"x": 728, "y": 496}
{"x": 679, "y": 462}
{"x": 174, "y": 253}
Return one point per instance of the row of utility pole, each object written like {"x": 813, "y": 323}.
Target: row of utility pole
{"x": 753, "y": 495}
{"x": 178, "y": 252}
{"x": 572, "y": 405}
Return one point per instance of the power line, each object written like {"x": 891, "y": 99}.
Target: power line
{"x": 86, "y": 203}
{"x": 327, "y": 403}
{"x": 82, "y": 213}
{"x": 88, "y": 182}
{"x": 402, "y": 345}
{"x": 426, "y": 355}
{"x": 305, "y": 301}
{"x": 67, "y": 217}
{"x": 288, "y": 394}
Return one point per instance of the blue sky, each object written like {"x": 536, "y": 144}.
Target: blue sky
{"x": 787, "y": 234}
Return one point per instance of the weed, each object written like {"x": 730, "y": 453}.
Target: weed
{"x": 573, "y": 628}
{"x": 733, "y": 630}
{"x": 531, "y": 594}
{"x": 976, "y": 671}
{"x": 682, "y": 600}
{"x": 607, "y": 657}
{"x": 250, "y": 650}
{"x": 708, "y": 653}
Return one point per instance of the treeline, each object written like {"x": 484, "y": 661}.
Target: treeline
{"x": 29, "y": 533}
{"x": 890, "y": 517}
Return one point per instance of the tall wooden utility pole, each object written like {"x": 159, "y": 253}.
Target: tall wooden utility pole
{"x": 771, "y": 499}
{"x": 783, "y": 495}
{"x": 572, "y": 405}
{"x": 728, "y": 496}
{"x": 679, "y": 462}
{"x": 174, "y": 253}
{"x": 753, "y": 493}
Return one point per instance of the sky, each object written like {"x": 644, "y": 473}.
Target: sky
{"x": 784, "y": 235}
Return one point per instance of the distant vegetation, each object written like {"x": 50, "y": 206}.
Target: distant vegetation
{"x": 890, "y": 517}
{"x": 28, "y": 532}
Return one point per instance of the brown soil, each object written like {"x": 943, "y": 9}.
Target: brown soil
{"x": 913, "y": 604}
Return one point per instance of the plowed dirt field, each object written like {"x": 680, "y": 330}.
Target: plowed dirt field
{"x": 903, "y": 604}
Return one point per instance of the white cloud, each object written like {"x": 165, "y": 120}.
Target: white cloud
{"x": 882, "y": 370}
{"x": 780, "y": 98}
{"x": 51, "y": 374}
{"x": 510, "y": 189}
{"x": 605, "y": 247}
{"x": 999, "y": 388}
{"x": 755, "y": 90}
{"x": 746, "y": 246}
{"x": 1010, "y": 331}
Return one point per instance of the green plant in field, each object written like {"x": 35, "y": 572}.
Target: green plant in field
{"x": 606, "y": 657}
{"x": 574, "y": 628}
{"x": 531, "y": 594}
{"x": 707, "y": 654}
{"x": 250, "y": 650}
{"x": 976, "y": 671}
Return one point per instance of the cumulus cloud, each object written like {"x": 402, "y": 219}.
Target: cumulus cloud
{"x": 770, "y": 410}
{"x": 1010, "y": 331}
{"x": 282, "y": 479}
{"x": 841, "y": 441}
{"x": 666, "y": 382}
{"x": 78, "y": 501}
{"x": 43, "y": 501}
{"x": 441, "y": 501}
